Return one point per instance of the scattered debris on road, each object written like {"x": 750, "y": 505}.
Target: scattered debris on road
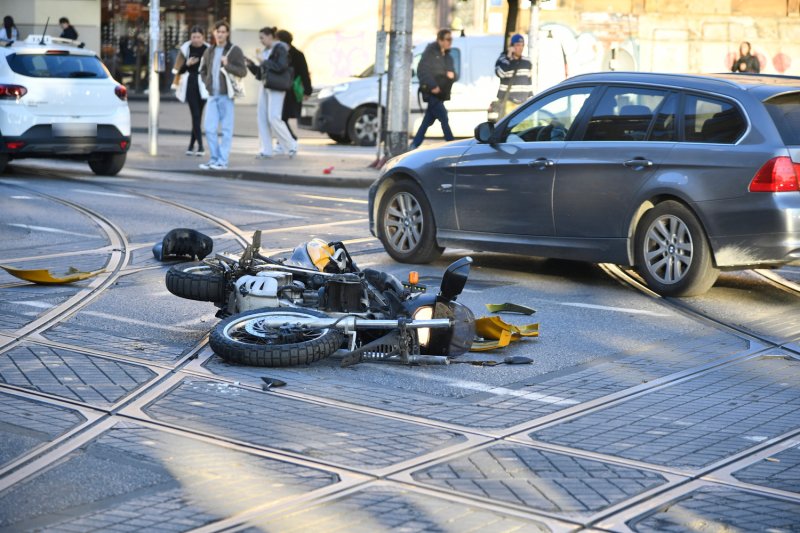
{"x": 43, "y": 276}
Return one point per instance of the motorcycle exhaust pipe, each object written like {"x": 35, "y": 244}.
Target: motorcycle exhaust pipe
{"x": 352, "y": 323}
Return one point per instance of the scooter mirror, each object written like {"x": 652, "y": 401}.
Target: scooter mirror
{"x": 455, "y": 277}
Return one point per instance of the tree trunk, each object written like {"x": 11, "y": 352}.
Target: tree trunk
{"x": 511, "y": 22}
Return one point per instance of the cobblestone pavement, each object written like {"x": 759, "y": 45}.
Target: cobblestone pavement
{"x": 116, "y": 416}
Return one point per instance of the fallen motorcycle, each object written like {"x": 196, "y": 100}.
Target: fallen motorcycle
{"x": 298, "y": 310}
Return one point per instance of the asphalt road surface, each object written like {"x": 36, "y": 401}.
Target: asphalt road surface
{"x": 637, "y": 413}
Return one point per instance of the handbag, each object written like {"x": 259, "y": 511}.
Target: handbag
{"x": 298, "y": 89}
{"x": 278, "y": 81}
{"x": 234, "y": 84}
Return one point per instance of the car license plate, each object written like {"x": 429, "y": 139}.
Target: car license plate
{"x": 75, "y": 130}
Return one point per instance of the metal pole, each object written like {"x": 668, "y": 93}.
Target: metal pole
{"x": 153, "y": 91}
{"x": 380, "y": 70}
{"x": 400, "y": 77}
{"x": 533, "y": 45}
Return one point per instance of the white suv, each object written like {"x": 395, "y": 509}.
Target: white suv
{"x": 57, "y": 99}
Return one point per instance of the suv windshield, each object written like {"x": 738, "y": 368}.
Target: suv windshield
{"x": 61, "y": 65}
{"x": 785, "y": 112}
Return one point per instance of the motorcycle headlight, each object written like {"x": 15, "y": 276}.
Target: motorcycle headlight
{"x": 330, "y": 91}
{"x": 423, "y": 334}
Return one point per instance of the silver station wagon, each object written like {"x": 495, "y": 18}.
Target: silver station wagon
{"x": 680, "y": 176}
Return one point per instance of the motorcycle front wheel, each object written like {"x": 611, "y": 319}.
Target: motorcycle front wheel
{"x": 273, "y": 337}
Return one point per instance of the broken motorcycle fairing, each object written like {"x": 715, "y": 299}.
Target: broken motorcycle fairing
{"x": 301, "y": 309}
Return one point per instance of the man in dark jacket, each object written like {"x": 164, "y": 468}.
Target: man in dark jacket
{"x": 436, "y": 73}
{"x": 67, "y": 31}
{"x": 514, "y": 72}
{"x": 291, "y": 104}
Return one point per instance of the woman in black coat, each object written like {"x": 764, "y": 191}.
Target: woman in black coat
{"x": 297, "y": 60}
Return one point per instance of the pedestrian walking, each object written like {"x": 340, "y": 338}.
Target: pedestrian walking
{"x": 9, "y": 31}
{"x": 301, "y": 85}
{"x": 219, "y": 63}
{"x": 276, "y": 77}
{"x": 67, "y": 31}
{"x": 746, "y": 62}
{"x": 436, "y": 73}
{"x": 514, "y": 72}
{"x": 187, "y": 84}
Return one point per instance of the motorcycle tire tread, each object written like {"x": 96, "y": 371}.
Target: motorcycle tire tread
{"x": 200, "y": 287}
{"x": 265, "y": 355}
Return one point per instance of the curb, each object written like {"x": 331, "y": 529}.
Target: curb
{"x": 272, "y": 177}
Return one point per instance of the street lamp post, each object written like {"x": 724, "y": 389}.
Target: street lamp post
{"x": 400, "y": 77}
{"x": 153, "y": 91}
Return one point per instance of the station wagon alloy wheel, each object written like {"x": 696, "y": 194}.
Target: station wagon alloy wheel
{"x": 403, "y": 222}
{"x": 672, "y": 251}
{"x": 668, "y": 249}
{"x": 407, "y": 229}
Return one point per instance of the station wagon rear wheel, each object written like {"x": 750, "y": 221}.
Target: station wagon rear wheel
{"x": 672, "y": 252}
{"x": 406, "y": 226}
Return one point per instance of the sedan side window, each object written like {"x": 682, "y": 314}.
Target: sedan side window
{"x": 709, "y": 120}
{"x": 623, "y": 114}
{"x": 548, "y": 119}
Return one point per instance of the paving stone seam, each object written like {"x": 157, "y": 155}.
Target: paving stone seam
{"x": 135, "y": 410}
{"x": 689, "y": 375}
{"x": 618, "y": 521}
{"x": 556, "y": 524}
{"x": 687, "y": 310}
{"x": 119, "y": 257}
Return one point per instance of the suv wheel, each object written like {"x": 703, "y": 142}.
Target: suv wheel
{"x": 672, "y": 252}
{"x": 107, "y": 164}
{"x": 363, "y": 126}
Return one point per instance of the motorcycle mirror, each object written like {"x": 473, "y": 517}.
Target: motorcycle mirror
{"x": 454, "y": 278}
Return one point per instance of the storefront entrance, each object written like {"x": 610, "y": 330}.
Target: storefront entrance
{"x": 125, "y": 35}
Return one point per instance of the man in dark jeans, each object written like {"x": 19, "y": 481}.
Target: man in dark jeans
{"x": 436, "y": 73}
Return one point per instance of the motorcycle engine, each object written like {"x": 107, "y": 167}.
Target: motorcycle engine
{"x": 261, "y": 290}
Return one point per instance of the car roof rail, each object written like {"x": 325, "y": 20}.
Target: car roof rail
{"x": 48, "y": 39}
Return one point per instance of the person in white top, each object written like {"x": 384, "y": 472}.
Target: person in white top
{"x": 276, "y": 77}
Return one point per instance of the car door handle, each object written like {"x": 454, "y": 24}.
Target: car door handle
{"x": 638, "y": 162}
{"x": 541, "y": 163}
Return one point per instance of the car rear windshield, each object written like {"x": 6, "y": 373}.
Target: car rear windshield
{"x": 57, "y": 66}
{"x": 785, "y": 112}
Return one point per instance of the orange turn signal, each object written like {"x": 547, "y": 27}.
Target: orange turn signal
{"x": 413, "y": 277}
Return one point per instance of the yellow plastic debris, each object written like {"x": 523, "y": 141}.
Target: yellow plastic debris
{"x": 510, "y": 308}
{"x": 494, "y": 332}
{"x": 45, "y": 277}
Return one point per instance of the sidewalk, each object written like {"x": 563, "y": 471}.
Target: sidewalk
{"x": 348, "y": 166}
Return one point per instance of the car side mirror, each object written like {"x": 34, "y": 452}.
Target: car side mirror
{"x": 454, "y": 278}
{"x": 484, "y": 132}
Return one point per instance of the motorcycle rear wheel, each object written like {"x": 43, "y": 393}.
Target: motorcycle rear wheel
{"x": 196, "y": 281}
{"x": 251, "y": 338}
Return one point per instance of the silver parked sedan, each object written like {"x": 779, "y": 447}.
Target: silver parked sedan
{"x": 680, "y": 176}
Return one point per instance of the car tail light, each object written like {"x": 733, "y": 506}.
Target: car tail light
{"x": 121, "y": 92}
{"x": 12, "y": 91}
{"x": 123, "y": 144}
{"x": 15, "y": 145}
{"x": 779, "y": 174}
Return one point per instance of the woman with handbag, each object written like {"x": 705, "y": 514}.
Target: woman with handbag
{"x": 276, "y": 77}
{"x": 301, "y": 85}
{"x": 188, "y": 87}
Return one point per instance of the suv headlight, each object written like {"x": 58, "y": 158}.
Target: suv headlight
{"x": 330, "y": 91}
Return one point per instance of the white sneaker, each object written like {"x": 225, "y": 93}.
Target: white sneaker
{"x": 190, "y": 152}
{"x": 279, "y": 149}
{"x": 217, "y": 166}
{"x": 206, "y": 166}
{"x": 293, "y": 152}
{"x": 200, "y": 153}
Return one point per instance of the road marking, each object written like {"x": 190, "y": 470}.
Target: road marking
{"x": 22, "y": 198}
{"x": 100, "y": 193}
{"x": 616, "y": 309}
{"x": 51, "y": 230}
{"x": 45, "y": 305}
{"x": 498, "y": 391}
{"x": 333, "y": 198}
{"x": 271, "y": 213}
